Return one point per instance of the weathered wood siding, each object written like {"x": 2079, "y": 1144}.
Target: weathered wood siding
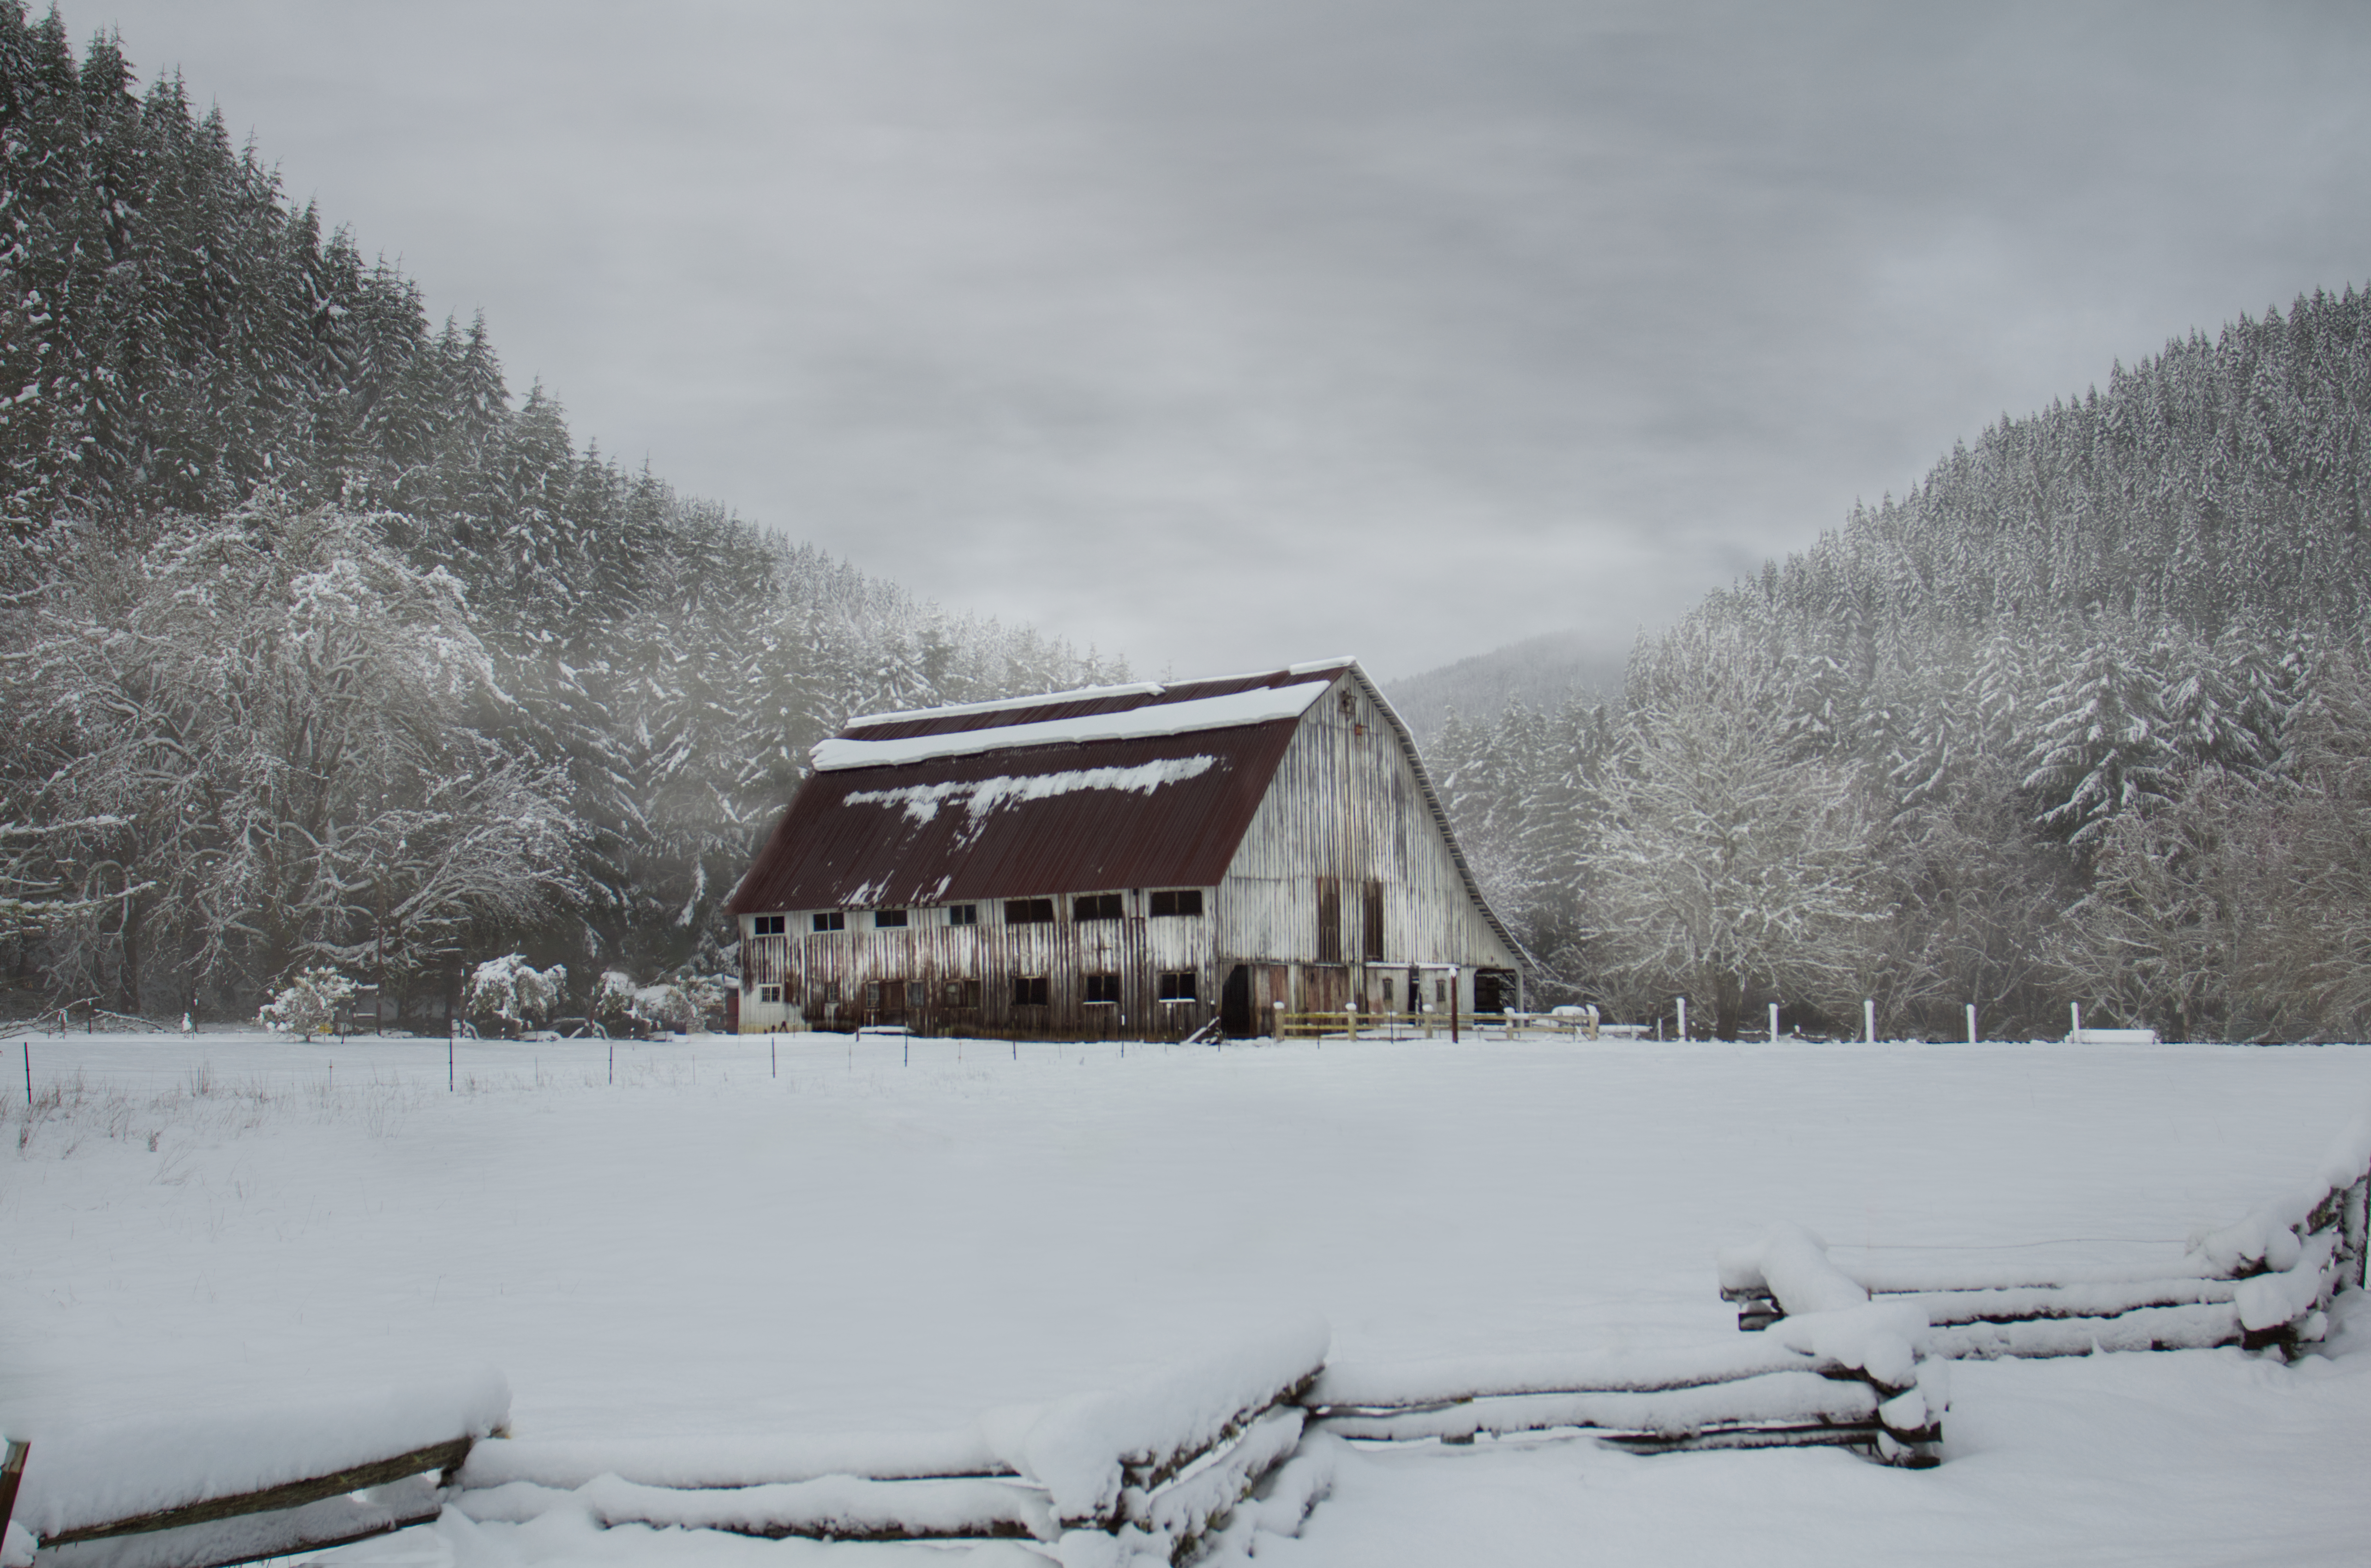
{"x": 826, "y": 974}
{"x": 1343, "y": 851}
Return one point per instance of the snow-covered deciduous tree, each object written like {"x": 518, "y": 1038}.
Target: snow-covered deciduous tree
{"x": 1727, "y": 867}
{"x": 264, "y": 725}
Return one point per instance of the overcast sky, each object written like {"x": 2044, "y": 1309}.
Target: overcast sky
{"x": 1224, "y": 332}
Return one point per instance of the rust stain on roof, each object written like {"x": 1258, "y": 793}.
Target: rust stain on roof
{"x": 1162, "y": 811}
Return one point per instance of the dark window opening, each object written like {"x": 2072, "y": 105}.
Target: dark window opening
{"x": 887, "y": 920}
{"x": 885, "y": 995}
{"x": 1029, "y": 990}
{"x": 1103, "y": 988}
{"x": 1028, "y": 911}
{"x": 963, "y": 913}
{"x": 1374, "y": 932}
{"x": 1178, "y": 901}
{"x": 769, "y": 926}
{"x": 828, "y": 992}
{"x": 1329, "y": 919}
{"x": 963, "y": 994}
{"x": 1177, "y": 985}
{"x": 833, "y": 921}
{"x": 1235, "y": 1003}
{"x": 1097, "y": 906}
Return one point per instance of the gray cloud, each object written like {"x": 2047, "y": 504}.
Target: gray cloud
{"x": 1237, "y": 332}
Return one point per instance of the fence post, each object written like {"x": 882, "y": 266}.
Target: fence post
{"x": 1972, "y": 1023}
{"x": 2075, "y": 1012}
{"x": 12, "y": 1472}
{"x": 1774, "y": 1023}
{"x": 1869, "y": 1017}
{"x": 1682, "y": 1002}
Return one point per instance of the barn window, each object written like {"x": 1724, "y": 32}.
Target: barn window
{"x": 1329, "y": 919}
{"x": 1374, "y": 922}
{"x": 1177, "y": 985}
{"x": 1028, "y": 911}
{"x": 1029, "y": 990}
{"x": 828, "y": 992}
{"x": 769, "y": 993}
{"x": 1103, "y": 988}
{"x": 963, "y": 913}
{"x": 831, "y": 921}
{"x": 1096, "y": 907}
{"x": 1178, "y": 901}
{"x": 768, "y": 925}
{"x": 885, "y": 995}
{"x": 888, "y": 919}
{"x": 963, "y": 994}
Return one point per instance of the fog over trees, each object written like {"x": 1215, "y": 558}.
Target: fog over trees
{"x": 2089, "y": 704}
{"x": 321, "y": 647}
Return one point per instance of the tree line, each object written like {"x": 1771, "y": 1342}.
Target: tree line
{"x": 2084, "y": 718}
{"x": 321, "y": 647}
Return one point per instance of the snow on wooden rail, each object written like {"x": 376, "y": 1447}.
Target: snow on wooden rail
{"x": 1848, "y": 1380}
{"x": 235, "y": 1487}
{"x": 1169, "y": 1470}
{"x": 1155, "y": 1471}
{"x": 2263, "y": 1283}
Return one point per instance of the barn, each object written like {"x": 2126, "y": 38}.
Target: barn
{"x": 1132, "y": 861}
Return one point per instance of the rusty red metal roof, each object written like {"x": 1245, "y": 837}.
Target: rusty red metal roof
{"x": 1157, "y": 811}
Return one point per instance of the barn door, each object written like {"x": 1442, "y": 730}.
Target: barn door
{"x": 1235, "y": 1003}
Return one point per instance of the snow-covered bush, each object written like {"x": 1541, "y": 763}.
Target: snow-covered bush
{"x": 308, "y": 1007}
{"x": 706, "y": 995}
{"x": 507, "y": 994}
{"x": 618, "y": 1002}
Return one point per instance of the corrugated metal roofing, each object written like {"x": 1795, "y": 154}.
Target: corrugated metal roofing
{"x": 835, "y": 847}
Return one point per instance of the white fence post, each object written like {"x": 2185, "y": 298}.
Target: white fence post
{"x": 1774, "y": 1023}
{"x": 1682, "y": 1003}
{"x": 2075, "y": 1011}
{"x": 1869, "y": 1017}
{"x": 1972, "y": 1023}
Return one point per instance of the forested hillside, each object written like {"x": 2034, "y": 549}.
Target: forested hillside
{"x": 2085, "y": 718}
{"x": 1541, "y": 672}
{"x": 320, "y": 646}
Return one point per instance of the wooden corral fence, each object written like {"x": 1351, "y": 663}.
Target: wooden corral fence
{"x": 2263, "y": 1283}
{"x": 1349, "y": 1023}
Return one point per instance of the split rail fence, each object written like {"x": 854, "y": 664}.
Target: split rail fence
{"x": 1189, "y": 1465}
{"x": 2264, "y": 1283}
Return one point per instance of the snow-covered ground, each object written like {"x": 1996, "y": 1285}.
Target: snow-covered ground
{"x": 860, "y": 1244}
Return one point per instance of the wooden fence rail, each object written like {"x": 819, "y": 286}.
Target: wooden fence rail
{"x": 241, "y": 1487}
{"x": 2263, "y": 1282}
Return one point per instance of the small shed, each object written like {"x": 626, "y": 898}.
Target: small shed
{"x": 1134, "y": 860}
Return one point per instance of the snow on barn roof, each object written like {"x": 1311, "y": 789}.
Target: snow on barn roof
{"x": 1150, "y": 785}
{"x": 1229, "y": 710}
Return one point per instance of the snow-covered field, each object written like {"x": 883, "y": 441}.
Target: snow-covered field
{"x": 861, "y": 1244}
